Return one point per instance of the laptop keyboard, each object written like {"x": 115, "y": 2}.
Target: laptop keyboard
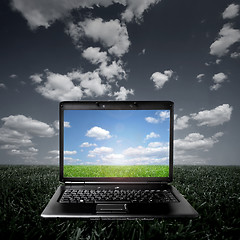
{"x": 117, "y": 196}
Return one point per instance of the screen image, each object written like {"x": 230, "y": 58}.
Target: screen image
{"x": 116, "y": 143}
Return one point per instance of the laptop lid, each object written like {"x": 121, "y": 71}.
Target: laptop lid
{"x": 116, "y": 141}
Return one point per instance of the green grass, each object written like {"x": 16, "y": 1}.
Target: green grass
{"x": 116, "y": 171}
{"x": 213, "y": 191}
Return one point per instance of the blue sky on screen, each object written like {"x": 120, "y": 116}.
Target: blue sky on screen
{"x": 113, "y": 137}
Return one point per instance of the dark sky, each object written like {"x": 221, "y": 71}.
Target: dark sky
{"x": 184, "y": 51}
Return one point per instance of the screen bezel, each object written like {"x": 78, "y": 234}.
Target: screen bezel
{"x": 114, "y": 105}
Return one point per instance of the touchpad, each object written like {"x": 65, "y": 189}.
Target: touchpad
{"x": 111, "y": 208}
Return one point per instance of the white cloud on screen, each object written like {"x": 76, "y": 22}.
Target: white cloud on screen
{"x": 152, "y": 135}
{"x": 70, "y": 152}
{"x": 159, "y": 116}
{"x": 100, "y": 151}
{"x": 87, "y": 144}
{"x": 98, "y": 133}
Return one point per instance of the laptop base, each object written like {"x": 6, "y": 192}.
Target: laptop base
{"x": 119, "y": 211}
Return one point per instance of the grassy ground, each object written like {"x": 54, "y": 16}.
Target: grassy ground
{"x": 213, "y": 191}
{"x": 116, "y": 171}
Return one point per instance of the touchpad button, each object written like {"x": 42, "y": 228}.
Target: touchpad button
{"x": 111, "y": 208}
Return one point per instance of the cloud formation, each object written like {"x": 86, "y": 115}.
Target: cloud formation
{"x": 196, "y": 141}
{"x": 45, "y": 12}
{"x": 136, "y": 9}
{"x": 123, "y": 93}
{"x": 218, "y": 79}
{"x": 231, "y": 11}
{"x": 214, "y": 117}
{"x": 159, "y": 117}
{"x": 17, "y": 132}
{"x": 152, "y": 135}
{"x": 113, "y": 34}
{"x": 181, "y": 122}
{"x": 98, "y": 133}
{"x": 227, "y": 37}
{"x": 160, "y": 79}
{"x": 87, "y": 144}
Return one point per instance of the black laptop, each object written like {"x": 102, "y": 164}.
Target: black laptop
{"x": 116, "y": 162}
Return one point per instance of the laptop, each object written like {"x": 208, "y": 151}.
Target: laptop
{"x": 116, "y": 162}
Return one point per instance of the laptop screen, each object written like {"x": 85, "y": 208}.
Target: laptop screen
{"x": 115, "y": 143}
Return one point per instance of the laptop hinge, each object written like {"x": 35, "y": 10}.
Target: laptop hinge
{"x": 74, "y": 183}
{"x": 111, "y": 183}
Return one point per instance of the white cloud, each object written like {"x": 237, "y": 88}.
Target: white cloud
{"x": 181, "y": 122}
{"x": 152, "y": 135}
{"x": 13, "y": 76}
{"x": 227, "y": 37}
{"x": 160, "y": 117}
{"x": 100, "y": 151}
{"x": 196, "y": 141}
{"x": 72, "y": 86}
{"x": 135, "y": 9}
{"x": 218, "y": 79}
{"x": 92, "y": 84}
{"x": 36, "y": 78}
{"x": 28, "y": 125}
{"x": 14, "y": 138}
{"x": 70, "y": 152}
{"x": 114, "y": 158}
{"x": 200, "y": 77}
{"x": 54, "y": 152}
{"x": 59, "y": 87}
{"x": 164, "y": 115}
{"x": 27, "y": 154}
{"x": 111, "y": 34}
{"x": 98, "y": 133}
{"x": 214, "y": 117}
{"x": 231, "y": 11}
{"x": 235, "y": 55}
{"x": 2, "y": 85}
{"x": 87, "y": 144}
{"x": 155, "y": 144}
{"x": 141, "y": 151}
{"x": 152, "y": 120}
{"x": 45, "y": 12}
{"x": 94, "y": 55}
{"x": 112, "y": 71}
{"x": 161, "y": 78}
{"x": 56, "y": 124}
{"x": 17, "y": 133}
{"x": 122, "y": 94}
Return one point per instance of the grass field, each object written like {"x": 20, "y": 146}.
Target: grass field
{"x": 116, "y": 171}
{"x": 213, "y": 191}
